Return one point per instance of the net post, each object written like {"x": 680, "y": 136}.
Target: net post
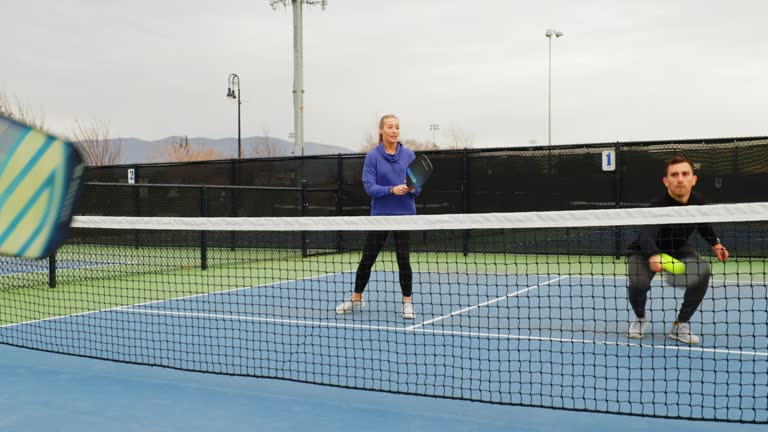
{"x": 234, "y": 169}
{"x": 203, "y": 234}
{"x": 617, "y": 194}
{"x": 465, "y": 241}
{"x": 52, "y": 270}
{"x": 339, "y": 198}
{"x": 303, "y": 197}
{"x": 137, "y": 209}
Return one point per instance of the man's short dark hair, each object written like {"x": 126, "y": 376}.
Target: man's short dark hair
{"x": 678, "y": 159}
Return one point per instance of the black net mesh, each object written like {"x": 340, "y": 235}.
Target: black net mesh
{"x": 523, "y": 315}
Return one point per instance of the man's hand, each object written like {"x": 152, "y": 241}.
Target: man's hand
{"x": 655, "y": 263}
{"x": 720, "y": 252}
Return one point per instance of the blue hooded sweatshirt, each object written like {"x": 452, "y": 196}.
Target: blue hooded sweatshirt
{"x": 381, "y": 172}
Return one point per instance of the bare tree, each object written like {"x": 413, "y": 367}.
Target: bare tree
{"x": 369, "y": 143}
{"x": 265, "y": 149}
{"x": 459, "y": 139}
{"x": 92, "y": 139}
{"x": 20, "y": 112}
{"x": 372, "y": 140}
{"x": 417, "y": 145}
{"x": 96, "y": 146}
{"x": 178, "y": 150}
{"x": 6, "y": 110}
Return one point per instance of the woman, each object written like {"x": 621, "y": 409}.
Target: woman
{"x": 384, "y": 180}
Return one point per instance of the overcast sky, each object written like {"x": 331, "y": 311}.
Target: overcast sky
{"x": 625, "y": 70}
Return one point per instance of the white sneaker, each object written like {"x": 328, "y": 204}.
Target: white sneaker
{"x": 349, "y": 305}
{"x": 637, "y": 328}
{"x": 682, "y": 332}
{"x": 408, "y": 312}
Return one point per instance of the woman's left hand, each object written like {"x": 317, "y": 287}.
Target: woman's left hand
{"x": 401, "y": 189}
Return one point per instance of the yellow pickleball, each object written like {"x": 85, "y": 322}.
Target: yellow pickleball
{"x": 672, "y": 265}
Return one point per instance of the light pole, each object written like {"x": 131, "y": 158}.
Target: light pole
{"x": 434, "y": 127}
{"x": 298, "y": 65}
{"x": 234, "y": 83}
{"x": 549, "y": 34}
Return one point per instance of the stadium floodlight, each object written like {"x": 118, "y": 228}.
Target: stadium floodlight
{"x": 298, "y": 59}
{"x": 549, "y": 33}
{"x": 274, "y": 3}
{"x": 555, "y": 33}
{"x": 434, "y": 127}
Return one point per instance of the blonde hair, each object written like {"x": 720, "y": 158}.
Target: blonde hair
{"x": 381, "y": 124}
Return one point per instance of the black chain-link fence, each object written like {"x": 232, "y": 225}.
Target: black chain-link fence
{"x": 185, "y": 200}
{"x": 464, "y": 181}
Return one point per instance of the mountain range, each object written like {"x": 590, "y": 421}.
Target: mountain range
{"x": 135, "y": 150}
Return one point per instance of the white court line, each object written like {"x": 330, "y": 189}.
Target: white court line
{"x": 715, "y": 282}
{"x": 599, "y": 276}
{"x": 489, "y": 302}
{"x": 261, "y": 319}
{"x": 127, "y": 307}
{"x": 278, "y": 283}
{"x": 234, "y": 289}
{"x": 46, "y": 269}
{"x": 443, "y": 332}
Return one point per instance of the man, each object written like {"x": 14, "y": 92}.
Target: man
{"x": 644, "y": 260}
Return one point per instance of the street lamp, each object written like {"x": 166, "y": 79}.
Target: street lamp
{"x": 434, "y": 127}
{"x": 549, "y": 34}
{"x": 234, "y": 83}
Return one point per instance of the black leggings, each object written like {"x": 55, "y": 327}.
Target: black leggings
{"x": 373, "y": 244}
{"x": 640, "y": 276}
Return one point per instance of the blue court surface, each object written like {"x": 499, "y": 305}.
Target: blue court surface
{"x": 50, "y": 392}
{"x": 532, "y": 340}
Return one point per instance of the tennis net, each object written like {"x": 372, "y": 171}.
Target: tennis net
{"x": 523, "y": 309}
